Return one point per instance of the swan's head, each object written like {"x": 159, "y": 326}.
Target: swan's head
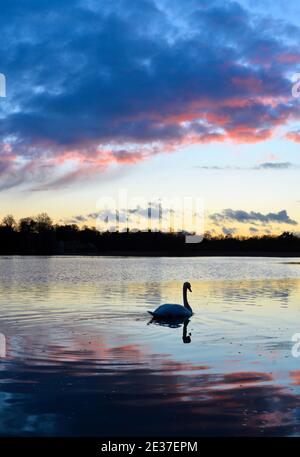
{"x": 187, "y": 286}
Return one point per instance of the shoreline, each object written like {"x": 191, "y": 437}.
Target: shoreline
{"x": 198, "y": 254}
{"x": 163, "y": 254}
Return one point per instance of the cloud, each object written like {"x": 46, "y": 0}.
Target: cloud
{"x": 228, "y": 231}
{"x": 262, "y": 166}
{"x": 294, "y": 136}
{"x": 277, "y": 165}
{"x": 79, "y": 218}
{"x": 245, "y": 217}
{"x": 128, "y": 80}
{"x": 134, "y": 215}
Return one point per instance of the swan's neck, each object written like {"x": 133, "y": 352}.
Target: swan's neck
{"x": 185, "y": 300}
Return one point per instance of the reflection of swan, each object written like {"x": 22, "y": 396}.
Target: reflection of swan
{"x": 169, "y": 311}
{"x": 186, "y": 338}
{"x": 175, "y": 323}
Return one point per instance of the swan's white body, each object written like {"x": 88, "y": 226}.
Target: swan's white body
{"x": 169, "y": 311}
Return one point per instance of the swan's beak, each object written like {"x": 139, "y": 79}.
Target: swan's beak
{"x": 190, "y": 289}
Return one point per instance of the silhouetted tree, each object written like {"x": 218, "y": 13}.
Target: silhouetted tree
{"x": 37, "y": 235}
{"x": 9, "y": 222}
{"x": 43, "y": 222}
{"x": 287, "y": 236}
{"x": 27, "y": 225}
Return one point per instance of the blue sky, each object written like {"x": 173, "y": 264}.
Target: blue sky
{"x": 160, "y": 97}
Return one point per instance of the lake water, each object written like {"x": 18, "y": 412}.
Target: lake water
{"x": 83, "y": 359}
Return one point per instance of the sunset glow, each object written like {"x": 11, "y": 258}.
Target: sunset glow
{"x": 174, "y": 101}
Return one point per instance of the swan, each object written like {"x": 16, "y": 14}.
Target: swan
{"x": 174, "y": 311}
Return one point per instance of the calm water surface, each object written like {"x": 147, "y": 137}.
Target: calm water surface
{"x": 83, "y": 359}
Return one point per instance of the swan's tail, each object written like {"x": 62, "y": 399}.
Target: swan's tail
{"x": 150, "y": 312}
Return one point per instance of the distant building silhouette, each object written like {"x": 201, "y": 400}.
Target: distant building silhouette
{"x": 149, "y": 217}
{"x": 117, "y": 221}
{"x": 160, "y": 217}
{"x": 127, "y": 220}
{"x": 171, "y": 220}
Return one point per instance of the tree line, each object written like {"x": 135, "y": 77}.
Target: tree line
{"x": 40, "y": 236}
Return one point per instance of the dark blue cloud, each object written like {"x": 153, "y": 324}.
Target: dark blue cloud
{"x": 277, "y": 165}
{"x": 245, "y": 217}
{"x": 228, "y": 230}
{"x": 84, "y": 74}
{"x": 261, "y": 166}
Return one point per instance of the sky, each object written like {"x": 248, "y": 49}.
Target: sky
{"x": 159, "y": 99}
